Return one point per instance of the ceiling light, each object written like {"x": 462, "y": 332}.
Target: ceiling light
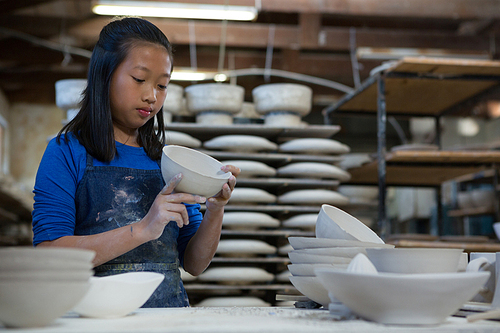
{"x": 175, "y": 10}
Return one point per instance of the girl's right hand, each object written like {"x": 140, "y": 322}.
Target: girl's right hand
{"x": 168, "y": 206}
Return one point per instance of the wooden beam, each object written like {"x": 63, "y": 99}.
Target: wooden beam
{"x": 310, "y": 25}
{"x": 288, "y": 36}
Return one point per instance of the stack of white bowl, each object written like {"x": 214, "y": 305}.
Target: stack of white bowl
{"x": 339, "y": 237}
{"x": 38, "y": 285}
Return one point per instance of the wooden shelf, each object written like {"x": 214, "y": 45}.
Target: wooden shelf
{"x": 200, "y": 287}
{"x": 276, "y": 233}
{"x": 270, "y": 208}
{"x": 471, "y": 212}
{"x": 204, "y": 132}
{"x": 287, "y": 182}
{"x": 428, "y": 88}
{"x": 256, "y": 260}
{"x": 272, "y": 158}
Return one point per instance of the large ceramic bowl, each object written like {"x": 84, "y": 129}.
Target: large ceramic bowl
{"x": 346, "y": 252}
{"x": 73, "y": 275}
{"x": 412, "y": 299}
{"x": 24, "y": 258}
{"x": 69, "y": 92}
{"x": 117, "y": 295}
{"x": 335, "y": 223}
{"x": 35, "y": 303}
{"x": 415, "y": 260}
{"x": 202, "y": 174}
{"x": 311, "y": 287}
{"x": 302, "y": 257}
{"x": 214, "y": 97}
{"x": 308, "y": 269}
{"x": 282, "y": 97}
{"x": 299, "y": 243}
{"x": 173, "y": 102}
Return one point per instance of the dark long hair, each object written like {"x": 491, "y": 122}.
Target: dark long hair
{"x": 93, "y": 124}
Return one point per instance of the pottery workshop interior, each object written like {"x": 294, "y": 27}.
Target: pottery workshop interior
{"x": 340, "y": 166}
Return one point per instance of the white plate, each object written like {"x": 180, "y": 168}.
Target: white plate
{"x": 240, "y": 143}
{"x": 313, "y": 197}
{"x": 181, "y": 139}
{"x": 308, "y": 269}
{"x": 248, "y": 220}
{"x": 309, "y": 258}
{"x": 251, "y": 195}
{"x": 313, "y": 170}
{"x": 244, "y": 247}
{"x": 311, "y": 287}
{"x": 299, "y": 243}
{"x": 251, "y": 168}
{"x": 314, "y": 146}
{"x": 302, "y": 221}
{"x": 236, "y": 275}
{"x": 347, "y": 252}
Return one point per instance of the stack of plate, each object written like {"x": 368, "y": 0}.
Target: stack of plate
{"x": 38, "y": 285}
{"x": 347, "y": 237}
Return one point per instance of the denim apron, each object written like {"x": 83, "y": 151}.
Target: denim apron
{"x": 110, "y": 197}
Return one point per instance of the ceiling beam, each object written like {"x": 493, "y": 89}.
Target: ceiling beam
{"x": 289, "y": 36}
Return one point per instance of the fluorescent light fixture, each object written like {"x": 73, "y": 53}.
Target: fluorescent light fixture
{"x": 175, "y": 10}
{"x": 187, "y": 74}
{"x": 398, "y": 53}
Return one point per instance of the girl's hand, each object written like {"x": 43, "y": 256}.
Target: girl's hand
{"x": 168, "y": 206}
{"x": 220, "y": 199}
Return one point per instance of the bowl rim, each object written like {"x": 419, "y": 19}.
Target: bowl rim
{"x": 224, "y": 176}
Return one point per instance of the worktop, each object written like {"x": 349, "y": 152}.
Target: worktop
{"x": 234, "y": 319}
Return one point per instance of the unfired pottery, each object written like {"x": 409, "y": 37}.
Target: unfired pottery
{"x": 214, "y": 118}
{"x": 181, "y": 139}
{"x": 69, "y": 93}
{"x": 244, "y": 247}
{"x": 240, "y": 143}
{"x": 236, "y": 275}
{"x": 242, "y": 195}
{"x": 313, "y": 170}
{"x": 231, "y": 301}
{"x": 248, "y": 220}
{"x": 291, "y": 97}
{"x": 202, "y": 174}
{"x": 359, "y": 191}
{"x": 311, "y": 287}
{"x": 118, "y": 295}
{"x": 362, "y": 265}
{"x": 335, "y": 223}
{"x": 173, "y": 103}
{"x": 251, "y": 169}
{"x": 297, "y": 257}
{"x": 313, "y": 197}
{"x": 407, "y": 299}
{"x": 214, "y": 97}
{"x": 347, "y": 252}
{"x": 27, "y": 258}
{"x": 299, "y": 243}
{"x": 283, "y": 119}
{"x": 301, "y": 221}
{"x": 314, "y": 146}
{"x": 415, "y": 260}
{"x": 308, "y": 269}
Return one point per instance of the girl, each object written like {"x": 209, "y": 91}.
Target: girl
{"x": 99, "y": 184}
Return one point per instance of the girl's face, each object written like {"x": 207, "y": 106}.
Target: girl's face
{"x": 139, "y": 87}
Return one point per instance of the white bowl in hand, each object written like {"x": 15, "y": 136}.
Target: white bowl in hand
{"x": 202, "y": 174}
{"x": 118, "y": 295}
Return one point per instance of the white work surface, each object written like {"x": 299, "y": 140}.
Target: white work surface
{"x": 238, "y": 319}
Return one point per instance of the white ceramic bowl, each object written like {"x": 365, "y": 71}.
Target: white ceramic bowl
{"x": 249, "y": 220}
{"x": 117, "y": 295}
{"x": 311, "y": 287}
{"x": 236, "y": 275}
{"x": 26, "y": 258}
{"x": 244, "y": 247}
{"x": 309, "y": 258}
{"x": 69, "y": 92}
{"x": 409, "y": 299}
{"x": 415, "y": 260}
{"x": 214, "y": 97}
{"x": 36, "y": 303}
{"x": 308, "y": 269}
{"x": 173, "y": 102}
{"x": 202, "y": 174}
{"x": 299, "y": 243}
{"x": 69, "y": 275}
{"x": 347, "y": 252}
{"x": 483, "y": 198}
{"x": 335, "y": 223}
{"x": 283, "y": 97}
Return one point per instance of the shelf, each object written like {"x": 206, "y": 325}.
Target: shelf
{"x": 423, "y": 86}
{"x": 425, "y": 168}
{"x": 256, "y": 260}
{"x": 287, "y": 182}
{"x": 272, "y": 158}
{"x": 277, "y": 233}
{"x": 471, "y": 212}
{"x": 191, "y": 287}
{"x": 270, "y": 208}
{"x": 204, "y": 132}
{"x": 468, "y": 247}
{"x": 479, "y": 177}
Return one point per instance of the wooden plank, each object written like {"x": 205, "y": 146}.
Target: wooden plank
{"x": 447, "y": 66}
{"x": 417, "y": 96}
{"x": 470, "y": 212}
{"x": 449, "y": 156}
{"x": 468, "y": 247}
{"x": 410, "y": 175}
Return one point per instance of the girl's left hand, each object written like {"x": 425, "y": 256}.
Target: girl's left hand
{"x": 220, "y": 199}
